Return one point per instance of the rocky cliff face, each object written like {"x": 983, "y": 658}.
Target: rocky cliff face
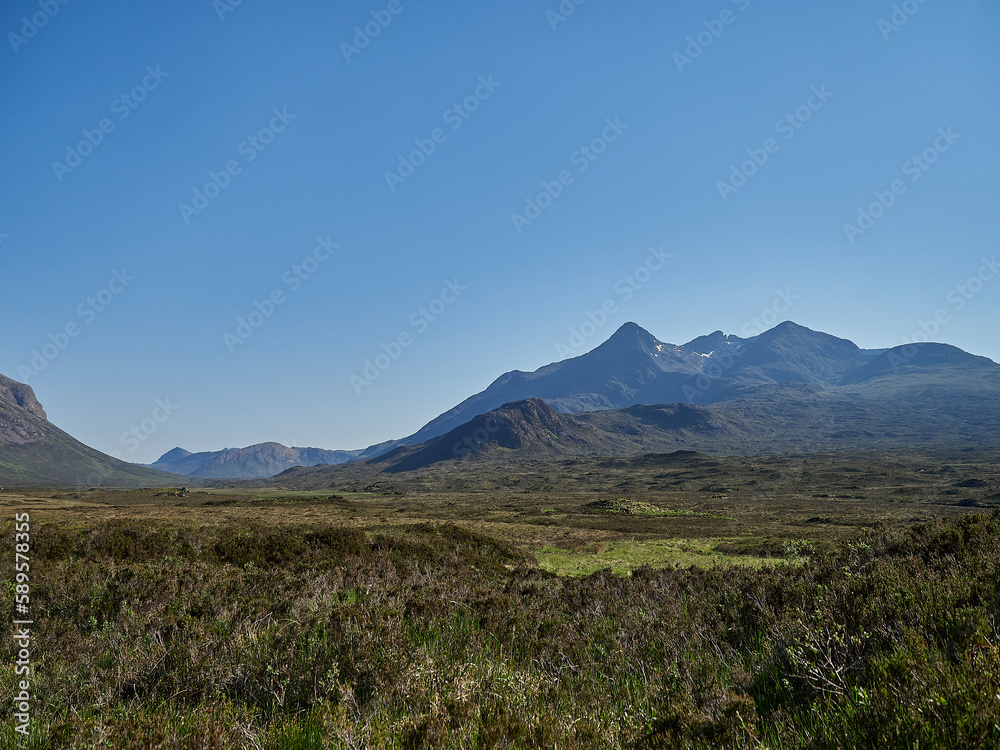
{"x": 21, "y": 395}
{"x": 21, "y": 416}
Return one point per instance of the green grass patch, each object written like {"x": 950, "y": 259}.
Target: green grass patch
{"x": 624, "y": 556}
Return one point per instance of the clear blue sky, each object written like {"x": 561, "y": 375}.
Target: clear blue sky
{"x": 539, "y": 94}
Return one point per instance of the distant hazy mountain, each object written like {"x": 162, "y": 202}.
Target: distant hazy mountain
{"x": 928, "y": 358}
{"x": 252, "y": 462}
{"x": 33, "y": 451}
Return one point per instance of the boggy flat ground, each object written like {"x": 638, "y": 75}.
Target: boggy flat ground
{"x": 665, "y": 601}
{"x": 687, "y": 509}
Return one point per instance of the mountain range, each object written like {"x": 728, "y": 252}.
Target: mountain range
{"x": 789, "y": 389}
{"x": 252, "y": 462}
{"x": 633, "y": 367}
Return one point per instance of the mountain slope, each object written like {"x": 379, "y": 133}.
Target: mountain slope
{"x": 630, "y": 367}
{"x": 252, "y": 462}
{"x": 33, "y": 451}
{"x": 916, "y": 359}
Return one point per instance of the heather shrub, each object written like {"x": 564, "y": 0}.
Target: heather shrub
{"x": 271, "y": 636}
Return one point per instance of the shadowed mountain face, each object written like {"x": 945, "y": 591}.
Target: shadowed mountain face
{"x": 33, "y": 451}
{"x": 529, "y": 427}
{"x": 252, "y": 462}
{"x": 633, "y": 367}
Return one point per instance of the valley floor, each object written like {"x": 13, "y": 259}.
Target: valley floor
{"x": 680, "y": 600}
